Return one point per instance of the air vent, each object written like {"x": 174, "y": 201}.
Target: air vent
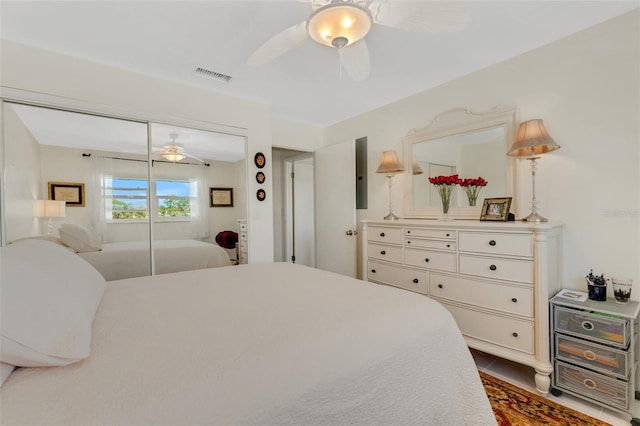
{"x": 203, "y": 72}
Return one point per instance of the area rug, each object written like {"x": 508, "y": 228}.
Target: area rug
{"x": 514, "y": 406}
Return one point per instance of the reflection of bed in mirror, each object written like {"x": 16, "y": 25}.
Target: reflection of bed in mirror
{"x": 131, "y": 259}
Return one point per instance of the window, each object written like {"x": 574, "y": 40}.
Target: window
{"x": 126, "y": 198}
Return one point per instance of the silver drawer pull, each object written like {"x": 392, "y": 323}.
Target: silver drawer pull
{"x": 589, "y": 383}
{"x": 493, "y": 267}
{"x": 416, "y": 281}
{"x": 383, "y": 252}
{"x": 589, "y": 355}
{"x": 382, "y": 234}
{"x": 408, "y": 242}
{"x": 588, "y": 326}
{"x": 373, "y": 271}
{"x": 514, "y": 300}
{"x": 426, "y": 259}
{"x": 440, "y": 286}
{"x": 448, "y": 245}
{"x": 492, "y": 242}
{"x": 514, "y": 334}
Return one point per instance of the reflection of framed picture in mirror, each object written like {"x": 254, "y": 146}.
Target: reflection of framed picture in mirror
{"x": 71, "y": 193}
{"x": 260, "y": 177}
{"x": 221, "y": 197}
{"x": 496, "y": 209}
{"x": 261, "y": 195}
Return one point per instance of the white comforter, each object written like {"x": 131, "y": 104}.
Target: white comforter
{"x": 131, "y": 259}
{"x": 271, "y": 344}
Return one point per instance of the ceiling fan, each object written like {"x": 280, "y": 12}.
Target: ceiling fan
{"x": 344, "y": 24}
{"x": 175, "y": 152}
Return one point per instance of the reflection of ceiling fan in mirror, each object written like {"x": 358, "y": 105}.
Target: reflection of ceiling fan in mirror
{"x": 343, "y": 25}
{"x": 175, "y": 152}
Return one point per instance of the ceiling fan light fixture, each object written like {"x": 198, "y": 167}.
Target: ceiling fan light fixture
{"x": 341, "y": 22}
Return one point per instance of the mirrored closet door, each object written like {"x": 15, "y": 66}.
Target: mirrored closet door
{"x": 116, "y": 191}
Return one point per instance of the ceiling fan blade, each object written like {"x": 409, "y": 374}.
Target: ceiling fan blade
{"x": 355, "y": 60}
{"x": 428, "y": 16}
{"x": 279, "y": 44}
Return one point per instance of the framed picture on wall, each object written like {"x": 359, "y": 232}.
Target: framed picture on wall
{"x": 71, "y": 193}
{"x": 220, "y": 197}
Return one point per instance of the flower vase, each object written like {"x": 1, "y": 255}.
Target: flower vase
{"x": 445, "y": 198}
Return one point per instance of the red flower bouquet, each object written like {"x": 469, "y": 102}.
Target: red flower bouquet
{"x": 472, "y": 188}
{"x": 444, "y": 185}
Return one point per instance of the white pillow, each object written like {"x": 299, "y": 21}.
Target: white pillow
{"x": 5, "y": 371}
{"x": 49, "y": 299}
{"x": 79, "y": 238}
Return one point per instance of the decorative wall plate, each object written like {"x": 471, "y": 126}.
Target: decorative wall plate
{"x": 261, "y": 194}
{"x": 260, "y": 160}
{"x": 260, "y": 177}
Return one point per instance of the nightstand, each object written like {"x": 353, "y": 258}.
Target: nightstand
{"x": 593, "y": 347}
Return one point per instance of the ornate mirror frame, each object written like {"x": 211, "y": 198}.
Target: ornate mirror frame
{"x": 454, "y": 122}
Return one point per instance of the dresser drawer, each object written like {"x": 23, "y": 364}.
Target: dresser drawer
{"x": 444, "y": 234}
{"x": 397, "y": 276}
{"x": 600, "y": 328}
{"x": 497, "y": 268}
{"x": 384, "y": 252}
{"x": 496, "y": 243}
{"x": 594, "y": 356}
{"x": 385, "y": 235}
{"x": 432, "y": 244}
{"x": 503, "y": 298}
{"x": 435, "y": 260}
{"x": 507, "y": 332}
{"x": 593, "y": 385}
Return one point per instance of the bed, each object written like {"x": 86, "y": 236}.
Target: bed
{"x": 267, "y": 344}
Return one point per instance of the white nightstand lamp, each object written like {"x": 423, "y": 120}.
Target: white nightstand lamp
{"x": 50, "y": 209}
{"x": 390, "y": 165}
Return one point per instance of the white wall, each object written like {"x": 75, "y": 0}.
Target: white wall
{"x": 586, "y": 89}
{"x": 77, "y": 83}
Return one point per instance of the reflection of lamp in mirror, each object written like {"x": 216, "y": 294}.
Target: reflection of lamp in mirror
{"x": 390, "y": 165}
{"x": 416, "y": 168}
{"x": 533, "y": 139}
{"x": 50, "y": 209}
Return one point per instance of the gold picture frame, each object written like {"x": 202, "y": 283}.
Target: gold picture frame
{"x": 70, "y": 192}
{"x": 496, "y": 209}
{"x": 220, "y": 197}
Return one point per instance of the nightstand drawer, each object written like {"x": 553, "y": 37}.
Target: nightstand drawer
{"x": 384, "y": 252}
{"x": 497, "y": 268}
{"x": 443, "y": 234}
{"x": 431, "y": 244}
{"x": 397, "y": 276}
{"x": 600, "y": 328}
{"x": 594, "y": 356}
{"x": 385, "y": 235}
{"x": 593, "y": 385}
{"x": 497, "y": 243}
{"x": 503, "y": 298}
{"x": 436, "y": 260}
{"x": 507, "y": 332}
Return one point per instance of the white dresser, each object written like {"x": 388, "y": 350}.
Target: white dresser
{"x": 243, "y": 238}
{"x": 495, "y": 278}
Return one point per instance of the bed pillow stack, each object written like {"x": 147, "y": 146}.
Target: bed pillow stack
{"x": 49, "y": 299}
{"x": 79, "y": 238}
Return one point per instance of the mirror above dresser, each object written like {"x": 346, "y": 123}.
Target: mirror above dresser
{"x": 465, "y": 142}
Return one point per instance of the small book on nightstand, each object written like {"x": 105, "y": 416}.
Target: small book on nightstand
{"x": 576, "y": 296}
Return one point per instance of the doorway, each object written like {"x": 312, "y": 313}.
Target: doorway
{"x": 294, "y": 218}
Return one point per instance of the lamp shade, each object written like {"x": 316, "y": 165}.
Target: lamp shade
{"x": 532, "y": 139}
{"x": 50, "y": 208}
{"x": 417, "y": 170}
{"x": 390, "y": 164}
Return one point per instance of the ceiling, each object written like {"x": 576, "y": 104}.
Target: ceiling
{"x": 169, "y": 39}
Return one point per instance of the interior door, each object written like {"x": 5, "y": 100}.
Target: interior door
{"x": 335, "y": 172}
